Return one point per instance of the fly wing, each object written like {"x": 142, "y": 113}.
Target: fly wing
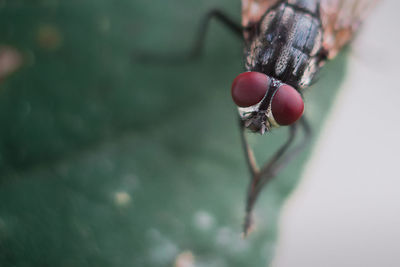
{"x": 340, "y": 20}
{"x": 253, "y": 10}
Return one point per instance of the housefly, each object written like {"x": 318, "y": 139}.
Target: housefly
{"x": 286, "y": 42}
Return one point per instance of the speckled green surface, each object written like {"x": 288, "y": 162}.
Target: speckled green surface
{"x": 105, "y": 161}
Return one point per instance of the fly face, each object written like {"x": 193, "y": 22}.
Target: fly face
{"x": 265, "y": 102}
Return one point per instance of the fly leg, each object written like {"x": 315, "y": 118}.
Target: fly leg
{"x": 201, "y": 36}
{"x": 259, "y": 177}
{"x": 197, "y": 48}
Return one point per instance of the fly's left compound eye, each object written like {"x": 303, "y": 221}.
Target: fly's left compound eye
{"x": 249, "y": 88}
{"x": 287, "y": 105}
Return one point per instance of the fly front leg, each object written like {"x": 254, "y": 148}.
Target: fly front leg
{"x": 198, "y": 46}
{"x": 280, "y": 159}
{"x": 248, "y": 152}
{"x": 228, "y": 22}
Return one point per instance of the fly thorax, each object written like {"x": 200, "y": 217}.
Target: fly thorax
{"x": 286, "y": 44}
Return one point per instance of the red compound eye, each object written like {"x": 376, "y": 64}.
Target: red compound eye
{"x": 249, "y": 88}
{"x": 287, "y": 105}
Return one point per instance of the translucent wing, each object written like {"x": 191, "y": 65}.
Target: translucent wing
{"x": 340, "y": 20}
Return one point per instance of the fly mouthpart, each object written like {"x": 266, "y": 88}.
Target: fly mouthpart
{"x": 257, "y": 122}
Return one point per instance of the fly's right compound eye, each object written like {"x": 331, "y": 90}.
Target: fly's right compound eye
{"x": 249, "y": 88}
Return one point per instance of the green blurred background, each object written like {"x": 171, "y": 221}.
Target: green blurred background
{"x": 106, "y": 161}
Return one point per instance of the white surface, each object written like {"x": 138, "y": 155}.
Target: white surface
{"x": 346, "y": 210}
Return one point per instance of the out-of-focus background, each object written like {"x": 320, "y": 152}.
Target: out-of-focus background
{"x": 109, "y": 161}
